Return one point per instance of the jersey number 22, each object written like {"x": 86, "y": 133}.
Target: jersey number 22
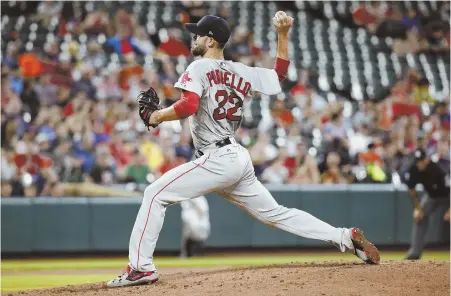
{"x": 221, "y": 112}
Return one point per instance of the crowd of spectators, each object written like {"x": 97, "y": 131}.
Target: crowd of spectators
{"x": 69, "y": 114}
{"x": 412, "y": 31}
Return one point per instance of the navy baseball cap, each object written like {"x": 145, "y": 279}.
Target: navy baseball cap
{"x": 212, "y": 26}
{"x": 420, "y": 154}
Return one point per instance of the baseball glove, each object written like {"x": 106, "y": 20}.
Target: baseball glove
{"x": 148, "y": 102}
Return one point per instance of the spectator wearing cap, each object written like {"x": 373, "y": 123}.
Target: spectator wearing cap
{"x": 436, "y": 193}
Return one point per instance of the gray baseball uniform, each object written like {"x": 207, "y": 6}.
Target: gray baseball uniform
{"x": 225, "y": 169}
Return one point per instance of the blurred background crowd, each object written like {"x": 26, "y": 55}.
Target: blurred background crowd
{"x": 368, "y": 84}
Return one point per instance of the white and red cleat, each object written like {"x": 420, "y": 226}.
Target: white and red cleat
{"x": 363, "y": 248}
{"x": 132, "y": 277}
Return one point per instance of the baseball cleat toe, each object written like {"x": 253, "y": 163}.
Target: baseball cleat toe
{"x": 363, "y": 248}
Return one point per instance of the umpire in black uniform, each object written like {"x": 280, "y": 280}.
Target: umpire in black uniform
{"x": 437, "y": 192}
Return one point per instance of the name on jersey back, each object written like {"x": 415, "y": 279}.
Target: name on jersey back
{"x": 229, "y": 79}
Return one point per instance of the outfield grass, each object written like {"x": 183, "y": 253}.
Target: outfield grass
{"x": 16, "y": 282}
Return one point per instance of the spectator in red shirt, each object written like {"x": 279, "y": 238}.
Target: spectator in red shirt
{"x": 118, "y": 151}
{"x": 170, "y": 161}
{"x": 281, "y": 114}
{"x": 363, "y": 16}
{"x": 173, "y": 45}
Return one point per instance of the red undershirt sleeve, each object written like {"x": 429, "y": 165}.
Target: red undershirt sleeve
{"x": 281, "y": 68}
{"x": 187, "y": 105}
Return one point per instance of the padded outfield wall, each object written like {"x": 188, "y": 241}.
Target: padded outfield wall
{"x": 80, "y": 224}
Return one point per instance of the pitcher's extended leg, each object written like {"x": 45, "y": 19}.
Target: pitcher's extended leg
{"x": 254, "y": 198}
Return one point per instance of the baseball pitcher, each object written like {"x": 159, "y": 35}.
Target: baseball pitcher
{"x": 213, "y": 91}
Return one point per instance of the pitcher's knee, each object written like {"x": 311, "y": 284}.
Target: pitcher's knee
{"x": 154, "y": 194}
{"x": 151, "y": 194}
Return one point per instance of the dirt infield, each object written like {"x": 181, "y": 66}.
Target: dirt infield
{"x": 314, "y": 278}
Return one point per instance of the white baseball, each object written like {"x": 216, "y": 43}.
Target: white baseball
{"x": 280, "y": 15}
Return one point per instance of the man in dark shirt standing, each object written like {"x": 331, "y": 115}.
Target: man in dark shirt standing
{"x": 437, "y": 192}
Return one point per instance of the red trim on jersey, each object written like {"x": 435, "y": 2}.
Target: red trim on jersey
{"x": 150, "y": 207}
{"x": 187, "y": 105}
{"x": 281, "y": 68}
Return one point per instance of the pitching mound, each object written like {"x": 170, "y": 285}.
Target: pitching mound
{"x": 324, "y": 278}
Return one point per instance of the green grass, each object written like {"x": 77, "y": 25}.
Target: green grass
{"x": 16, "y": 282}
{"x": 12, "y": 283}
